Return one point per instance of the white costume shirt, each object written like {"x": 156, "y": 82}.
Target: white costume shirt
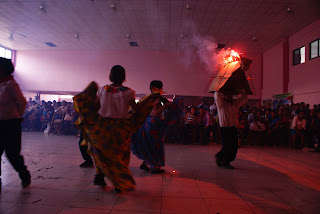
{"x": 114, "y": 101}
{"x": 228, "y": 111}
{"x": 260, "y": 128}
{"x": 296, "y": 122}
{"x": 212, "y": 107}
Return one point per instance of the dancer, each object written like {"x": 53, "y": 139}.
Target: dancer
{"x": 107, "y": 127}
{"x": 88, "y": 163}
{"x": 147, "y": 143}
{"x": 12, "y": 107}
{"x": 227, "y": 113}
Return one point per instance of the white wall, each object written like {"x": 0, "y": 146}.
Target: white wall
{"x": 272, "y": 72}
{"x": 305, "y": 78}
{"x": 71, "y": 71}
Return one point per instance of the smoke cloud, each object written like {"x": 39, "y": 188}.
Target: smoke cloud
{"x": 195, "y": 46}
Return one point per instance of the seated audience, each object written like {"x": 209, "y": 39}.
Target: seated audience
{"x": 64, "y": 108}
{"x": 257, "y": 125}
{"x": 251, "y": 115}
{"x": 190, "y": 126}
{"x": 261, "y": 124}
{"x": 204, "y": 126}
{"x": 316, "y": 134}
{"x": 273, "y": 128}
{"x": 298, "y": 129}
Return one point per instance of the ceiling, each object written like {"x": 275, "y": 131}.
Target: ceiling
{"x": 254, "y": 25}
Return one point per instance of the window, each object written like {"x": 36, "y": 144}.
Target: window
{"x": 315, "y": 49}
{"x": 299, "y": 56}
{"x": 6, "y": 53}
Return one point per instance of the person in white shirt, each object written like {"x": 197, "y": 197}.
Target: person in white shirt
{"x": 256, "y": 125}
{"x": 115, "y": 100}
{"x": 64, "y": 108}
{"x": 251, "y": 115}
{"x": 298, "y": 128}
{"x": 12, "y": 107}
{"x": 228, "y": 113}
{"x": 212, "y": 107}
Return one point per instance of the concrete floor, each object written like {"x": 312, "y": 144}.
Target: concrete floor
{"x": 266, "y": 180}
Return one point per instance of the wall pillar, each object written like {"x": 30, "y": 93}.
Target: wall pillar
{"x": 285, "y": 66}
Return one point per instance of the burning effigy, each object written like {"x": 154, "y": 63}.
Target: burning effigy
{"x": 231, "y": 73}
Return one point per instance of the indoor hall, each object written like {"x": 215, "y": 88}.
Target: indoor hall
{"x": 220, "y": 107}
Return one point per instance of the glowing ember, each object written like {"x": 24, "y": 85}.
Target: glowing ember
{"x": 249, "y": 78}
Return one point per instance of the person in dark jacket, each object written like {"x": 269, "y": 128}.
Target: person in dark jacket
{"x": 12, "y": 107}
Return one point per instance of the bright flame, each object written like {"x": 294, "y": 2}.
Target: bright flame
{"x": 232, "y": 56}
{"x": 226, "y": 56}
{"x": 174, "y": 171}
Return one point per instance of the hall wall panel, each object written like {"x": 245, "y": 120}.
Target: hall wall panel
{"x": 272, "y": 72}
{"x": 71, "y": 71}
{"x": 304, "y": 78}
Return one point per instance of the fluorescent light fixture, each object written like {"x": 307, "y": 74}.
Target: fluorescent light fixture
{"x": 66, "y": 96}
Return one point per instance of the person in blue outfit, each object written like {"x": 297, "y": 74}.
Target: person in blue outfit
{"x": 148, "y": 142}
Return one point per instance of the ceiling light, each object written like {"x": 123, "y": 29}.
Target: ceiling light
{"x": 128, "y": 37}
{"x": 11, "y": 37}
{"x": 182, "y": 36}
{"x": 289, "y": 11}
{"x": 76, "y": 36}
{"x": 42, "y": 10}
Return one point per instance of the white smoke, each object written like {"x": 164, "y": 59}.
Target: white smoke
{"x": 206, "y": 49}
{"x": 203, "y": 47}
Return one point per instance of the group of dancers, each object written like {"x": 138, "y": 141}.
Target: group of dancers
{"x": 112, "y": 125}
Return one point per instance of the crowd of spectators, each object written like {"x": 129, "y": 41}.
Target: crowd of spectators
{"x": 51, "y": 117}
{"x": 296, "y": 125}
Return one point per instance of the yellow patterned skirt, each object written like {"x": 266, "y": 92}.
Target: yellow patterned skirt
{"x": 108, "y": 139}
